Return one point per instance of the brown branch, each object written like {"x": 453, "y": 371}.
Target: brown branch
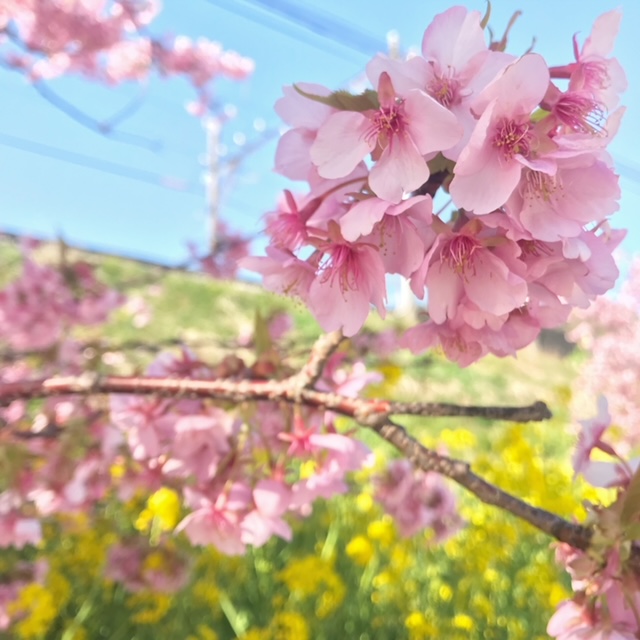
{"x": 533, "y": 413}
{"x": 371, "y": 413}
{"x": 321, "y": 351}
{"x": 460, "y": 472}
{"x": 374, "y": 414}
{"x": 287, "y": 390}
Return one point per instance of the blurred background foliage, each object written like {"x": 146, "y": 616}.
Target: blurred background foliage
{"x": 347, "y": 572}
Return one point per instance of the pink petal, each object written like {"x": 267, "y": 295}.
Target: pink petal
{"x": 361, "y": 218}
{"x": 298, "y": 111}
{"x": 292, "y": 155}
{"x": 405, "y": 74}
{"x": 487, "y": 189}
{"x": 272, "y": 498}
{"x": 454, "y": 37}
{"x": 431, "y": 126}
{"x": 492, "y": 287}
{"x": 400, "y": 168}
{"x": 603, "y": 34}
{"x": 445, "y": 292}
{"x": 341, "y": 144}
{"x": 519, "y": 89}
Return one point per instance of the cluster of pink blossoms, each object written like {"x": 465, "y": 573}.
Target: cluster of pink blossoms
{"x": 241, "y": 474}
{"x": 107, "y": 41}
{"x": 609, "y": 330}
{"x": 520, "y": 148}
{"x": 39, "y": 307}
{"x": 418, "y": 501}
{"x": 606, "y": 602}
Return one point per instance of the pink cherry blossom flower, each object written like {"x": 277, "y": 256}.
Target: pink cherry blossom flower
{"x": 283, "y": 272}
{"x": 455, "y": 66}
{"x": 350, "y": 279}
{"x": 201, "y": 442}
{"x": 271, "y": 499}
{"x": 15, "y": 529}
{"x": 287, "y": 227}
{"x": 306, "y": 117}
{"x": 594, "y": 71}
{"x": 503, "y": 141}
{"x": 363, "y": 215}
{"x": 600, "y": 473}
{"x": 590, "y": 436}
{"x": 553, "y": 207}
{"x": 346, "y": 381}
{"x": 400, "y": 133}
{"x": 462, "y": 266}
{"x": 217, "y": 522}
{"x": 417, "y": 500}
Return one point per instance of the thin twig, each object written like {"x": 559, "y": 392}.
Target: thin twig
{"x": 531, "y": 413}
{"x": 321, "y": 351}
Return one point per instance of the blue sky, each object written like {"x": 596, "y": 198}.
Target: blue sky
{"x": 45, "y": 195}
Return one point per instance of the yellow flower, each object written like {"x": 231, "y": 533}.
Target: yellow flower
{"x": 463, "y": 621}
{"x": 37, "y": 603}
{"x": 458, "y": 439}
{"x": 383, "y": 531}
{"x": 360, "y": 550}
{"x": 445, "y": 592}
{"x": 163, "y": 510}
{"x": 153, "y": 606}
{"x": 364, "y": 502}
{"x": 391, "y": 375}
{"x": 255, "y": 634}
{"x": 289, "y": 625}
{"x": 312, "y": 575}
{"x": 419, "y": 627}
{"x": 204, "y": 633}
{"x": 206, "y": 591}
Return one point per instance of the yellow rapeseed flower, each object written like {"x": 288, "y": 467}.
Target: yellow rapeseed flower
{"x": 36, "y": 604}
{"x": 289, "y": 625}
{"x": 256, "y": 634}
{"x": 364, "y": 502}
{"x": 151, "y": 606}
{"x": 419, "y": 627}
{"x": 207, "y": 592}
{"x": 360, "y": 550}
{"x": 163, "y": 510}
{"x": 383, "y": 531}
{"x": 463, "y": 621}
{"x": 204, "y": 633}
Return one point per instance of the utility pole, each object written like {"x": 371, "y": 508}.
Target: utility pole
{"x": 213, "y": 126}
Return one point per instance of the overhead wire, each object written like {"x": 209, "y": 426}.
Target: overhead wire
{"x": 323, "y": 25}
{"x": 172, "y": 183}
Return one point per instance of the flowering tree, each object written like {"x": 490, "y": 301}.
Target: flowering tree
{"x": 246, "y": 446}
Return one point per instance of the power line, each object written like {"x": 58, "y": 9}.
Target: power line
{"x": 90, "y": 162}
{"x": 323, "y": 25}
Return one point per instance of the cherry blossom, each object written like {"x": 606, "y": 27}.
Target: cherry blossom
{"x": 401, "y": 132}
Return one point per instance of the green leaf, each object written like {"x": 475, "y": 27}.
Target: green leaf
{"x": 539, "y": 114}
{"x": 345, "y": 101}
{"x": 631, "y": 501}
